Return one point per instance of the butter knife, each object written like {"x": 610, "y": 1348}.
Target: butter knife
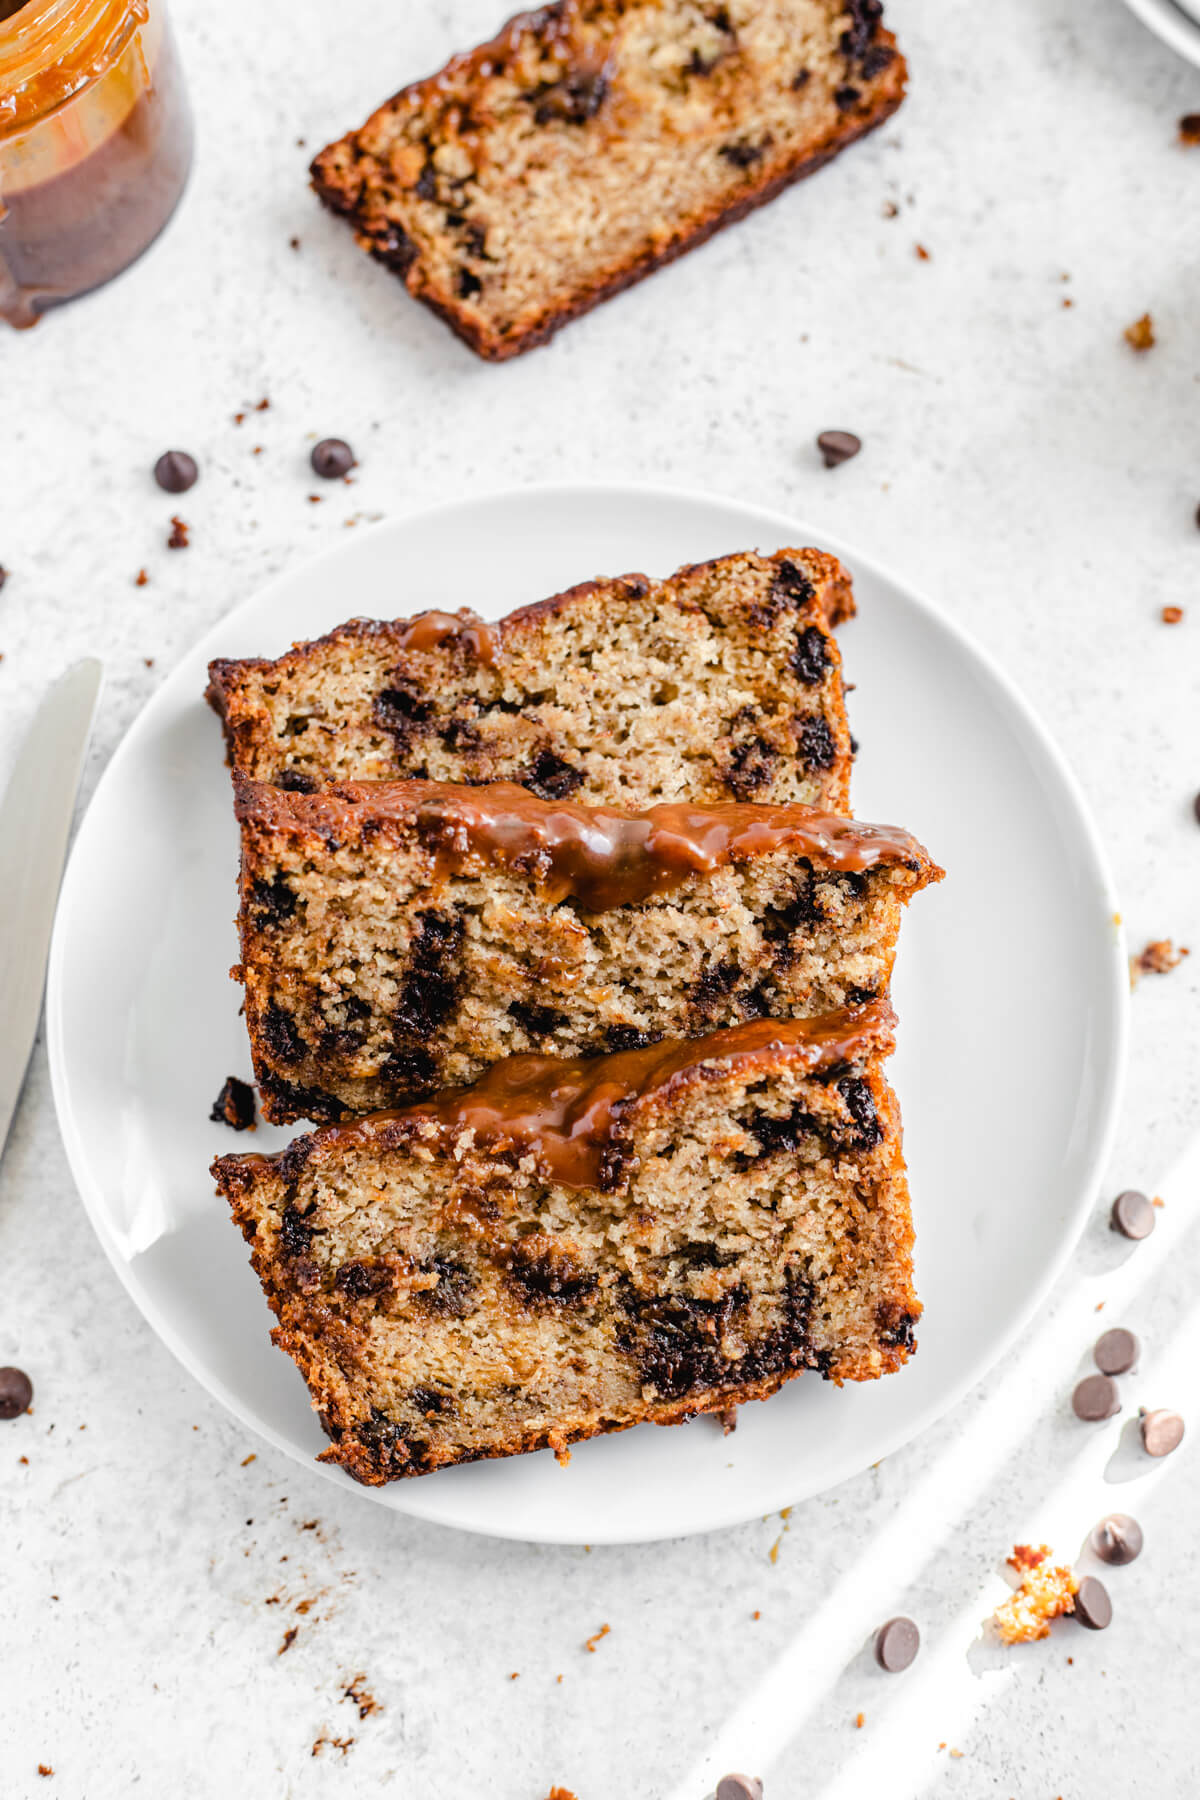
{"x": 35, "y": 823}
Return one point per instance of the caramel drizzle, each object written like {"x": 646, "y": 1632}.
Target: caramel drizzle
{"x": 595, "y": 856}
{"x": 432, "y": 630}
{"x": 565, "y": 1111}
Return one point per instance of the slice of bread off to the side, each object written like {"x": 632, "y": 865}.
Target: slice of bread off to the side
{"x": 399, "y": 937}
{"x": 571, "y": 1248}
{"x": 721, "y": 683}
{"x": 594, "y": 140}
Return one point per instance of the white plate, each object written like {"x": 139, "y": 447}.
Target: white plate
{"x": 1011, "y": 989}
{"x": 1177, "y": 25}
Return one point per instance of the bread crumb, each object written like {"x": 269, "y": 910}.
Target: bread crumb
{"x": 860, "y": 1720}
{"x": 1046, "y": 1592}
{"x": 753, "y": 1615}
{"x": 178, "y": 539}
{"x": 922, "y": 253}
{"x": 1172, "y": 615}
{"x": 342, "y": 1744}
{"x": 560, "y": 1793}
{"x": 289, "y": 1638}
{"x": 253, "y": 1457}
{"x": 1158, "y": 958}
{"x": 774, "y": 1550}
{"x": 954, "y": 1752}
{"x": 1189, "y": 129}
{"x": 1158, "y": 1200}
{"x": 141, "y": 578}
{"x": 45, "y": 1769}
{"x": 1140, "y": 335}
{"x": 595, "y": 1638}
{"x": 515, "y": 1675}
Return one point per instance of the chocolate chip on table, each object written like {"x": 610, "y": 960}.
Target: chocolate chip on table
{"x": 1093, "y": 1608}
{"x": 176, "y": 471}
{"x": 896, "y": 1645}
{"x": 1162, "y": 1431}
{"x": 234, "y": 1105}
{"x": 16, "y": 1392}
{"x": 1117, "y": 1539}
{"x": 838, "y": 447}
{"x": 1133, "y": 1214}
{"x": 1116, "y": 1351}
{"x": 332, "y": 458}
{"x": 1096, "y": 1398}
{"x": 1189, "y": 129}
{"x": 739, "y": 1787}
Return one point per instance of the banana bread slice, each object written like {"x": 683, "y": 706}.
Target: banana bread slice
{"x": 595, "y": 140}
{"x": 399, "y": 937}
{"x": 723, "y": 682}
{"x": 571, "y": 1247}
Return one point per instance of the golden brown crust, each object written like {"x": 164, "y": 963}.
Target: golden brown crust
{"x": 582, "y": 29}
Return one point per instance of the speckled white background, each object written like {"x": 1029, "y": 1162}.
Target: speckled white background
{"x": 1028, "y": 471}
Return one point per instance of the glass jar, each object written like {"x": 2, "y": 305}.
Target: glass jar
{"x": 95, "y": 144}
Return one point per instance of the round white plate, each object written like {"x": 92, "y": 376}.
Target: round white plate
{"x": 1176, "y": 24}
{"x": 1011, "y": 988}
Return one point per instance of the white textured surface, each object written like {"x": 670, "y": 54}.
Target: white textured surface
{"x": 1026, "y": 469}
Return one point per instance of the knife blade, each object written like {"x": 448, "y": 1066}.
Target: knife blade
{"x": 35, "y": 823}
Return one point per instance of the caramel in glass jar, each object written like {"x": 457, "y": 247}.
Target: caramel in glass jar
{"x": 95, "y": 145}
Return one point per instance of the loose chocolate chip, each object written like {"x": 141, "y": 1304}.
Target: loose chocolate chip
{"x": 176, "y": 471}
{"x": 1132, "y": 1214}
{"x": 16, "y": 1392}
{"x": 1093, "y": 1608}
{"x": 1117, "y": 1539}
{"x": 838, "y": 447}
{"x": 332, "y": 458}
{"x": 1116, "y": 1352}
{"x": 234, "y": 1105}
{"x": 896, "y": 1645}
{"x": 1162, "y": 1431}
{"x": 739, "y": 1787}
{"x": 1096, "y": 1398}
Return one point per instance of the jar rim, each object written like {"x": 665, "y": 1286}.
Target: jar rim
{"x": 50, "y": 50}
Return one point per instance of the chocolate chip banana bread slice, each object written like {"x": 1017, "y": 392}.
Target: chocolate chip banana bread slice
{"x": 571, "y": 1247}
{"x": 723, "y": 682}
{"x": 399, "y": 937}
{"x": 595, "y": 140}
